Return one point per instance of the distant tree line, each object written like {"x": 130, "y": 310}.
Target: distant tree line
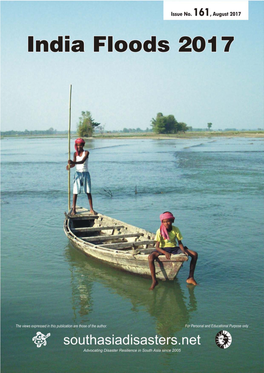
{"x": 135, "y": 130}
{"x": 50, "y": 131}
{"x": 167, "y": 124}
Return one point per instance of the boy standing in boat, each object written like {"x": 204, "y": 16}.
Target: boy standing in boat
{"x": 165, "y": 238}
{"x": 82, "y": 180}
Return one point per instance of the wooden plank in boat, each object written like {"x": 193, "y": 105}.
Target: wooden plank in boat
{"x": 127, "y": 245}
{"x": 111, "y": 237}
{"x": 96, "y": 229}
{"x": 81, "y": 216}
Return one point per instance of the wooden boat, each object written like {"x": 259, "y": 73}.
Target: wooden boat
{"x": 121, "y": 245}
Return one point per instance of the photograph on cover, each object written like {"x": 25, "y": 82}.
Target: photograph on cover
{"x": 154, "y": 110}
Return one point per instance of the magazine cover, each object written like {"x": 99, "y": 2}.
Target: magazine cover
{"x": 132, "y": 186}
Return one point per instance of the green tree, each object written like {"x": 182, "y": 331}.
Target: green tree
{"x": 171, "y": 124}
{"x": 168, "y": 124}
{"x": 182, "y": 127}
{"x": 159, "y": 124}
{"x": 86, "y": 125}
{"x": 209, "y": 125}
{"x": 51, "y": 131}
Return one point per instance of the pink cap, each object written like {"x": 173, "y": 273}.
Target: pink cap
{"x": 78, "y": 141}
{"x": 166, "y": 215}
{"x": 163, "y": 230}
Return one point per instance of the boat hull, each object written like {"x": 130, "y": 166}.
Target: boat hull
{"x": 134, "y": 259}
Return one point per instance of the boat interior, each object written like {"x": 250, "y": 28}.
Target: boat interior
{"x": 109, "y": 233}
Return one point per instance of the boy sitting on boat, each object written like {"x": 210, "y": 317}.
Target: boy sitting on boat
{"x": 82, "y": 179}
{"x": 165, "y": 238}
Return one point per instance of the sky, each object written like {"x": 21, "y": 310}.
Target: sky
{"x": 128, "y": 89}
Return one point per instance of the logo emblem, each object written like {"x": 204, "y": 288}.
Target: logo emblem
{"x": 223, "y": 339}
{"x": 40, "y": 339}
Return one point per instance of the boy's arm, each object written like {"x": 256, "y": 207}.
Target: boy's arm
{"x": 168, "y": 255}
{"x": 71, "y": 164}
{"x": 182, "y": 248}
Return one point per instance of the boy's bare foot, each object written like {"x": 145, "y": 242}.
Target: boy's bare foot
{"x": 72, "y": 212}
{"x": 92, "y": 212}
{"x": 191, "y": 280}
{"x": 153, "y": 285}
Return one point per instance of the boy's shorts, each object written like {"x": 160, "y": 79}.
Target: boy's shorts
{"x": 170, "y": 250}
{"x": 81, "y": 183}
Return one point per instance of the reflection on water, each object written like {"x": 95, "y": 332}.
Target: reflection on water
{"x": 168, "y": 305}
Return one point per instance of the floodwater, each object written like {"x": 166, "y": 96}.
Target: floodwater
{"x": 214, "y": 187}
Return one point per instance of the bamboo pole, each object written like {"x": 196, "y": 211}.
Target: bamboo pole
{"x": 69, "y": 152}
